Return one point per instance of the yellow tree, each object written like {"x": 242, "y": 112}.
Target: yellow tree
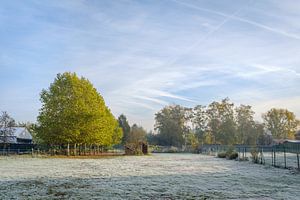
{"x": 281, "y": 122}
{"x": 73, "y": 112}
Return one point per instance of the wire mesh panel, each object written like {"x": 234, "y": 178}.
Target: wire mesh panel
{"x": 285, "y": 155}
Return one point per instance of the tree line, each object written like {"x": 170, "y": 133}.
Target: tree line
{"x": 74, "y": 113}
{"x": 221, "y": 123}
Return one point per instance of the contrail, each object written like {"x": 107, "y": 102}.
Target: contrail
{"x": 281, "y": 32}
{"x": 204, "y": 37}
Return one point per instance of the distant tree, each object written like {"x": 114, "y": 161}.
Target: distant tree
{"x": 263, "y": 137}
{"x": 152, "y": 138}
{"x": 170, "y": 123}
{"x": 221, "y": 122}
{"x": 192, "y": 140}
{"x": 73, "y": 112}
{"x": 200, "y": 122}
{"x": 246, "y": 133}
{"x": 123, "y": 123}
{"x": 6, "y": 127}
{"x": 281, "y": 122}
{"x": 137, "y": 134}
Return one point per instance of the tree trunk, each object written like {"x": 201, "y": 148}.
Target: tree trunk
{"x": 68, "y": 150}
{"x": 75, "y": 150}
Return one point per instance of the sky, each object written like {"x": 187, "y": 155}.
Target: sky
{"x": 144, "y": 55}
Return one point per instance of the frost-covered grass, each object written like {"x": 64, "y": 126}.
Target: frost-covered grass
{"x": 159, "y": 176}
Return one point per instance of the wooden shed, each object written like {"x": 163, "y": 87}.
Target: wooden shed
{"x": 136, "y": 148}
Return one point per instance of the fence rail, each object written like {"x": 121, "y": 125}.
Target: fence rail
{"x": 80, "y": 150}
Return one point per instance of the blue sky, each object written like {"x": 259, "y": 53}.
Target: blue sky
{"x": 143, "y": 55}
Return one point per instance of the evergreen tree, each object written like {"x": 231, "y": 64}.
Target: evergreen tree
{"x": 123, "y": 123}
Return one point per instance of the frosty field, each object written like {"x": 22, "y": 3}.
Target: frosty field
{"x": 159, "y": 176}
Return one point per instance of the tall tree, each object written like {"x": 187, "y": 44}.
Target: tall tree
{"x": 123, "y": 123}
{"x": 221, "y": 122}
{"x": 199, "y": 121}
{"x": 170, "y": 123}
{"x": 281, "y": 122}
{"x": 6, "y": 127}
{"x": 246, "y": 133}
{"x": 74, "y": 112}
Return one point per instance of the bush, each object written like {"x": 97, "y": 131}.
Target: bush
{"x": 232, "y": 155}
{"x": 229, "y": 154}
{"x": 222, "y": 155}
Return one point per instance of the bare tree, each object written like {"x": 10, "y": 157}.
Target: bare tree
{"x": 6, "y": 127}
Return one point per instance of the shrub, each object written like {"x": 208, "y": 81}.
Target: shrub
{"x": 232, "y": 155}
{"x": 222, "y": 155}
{"x": 229, "y": 154}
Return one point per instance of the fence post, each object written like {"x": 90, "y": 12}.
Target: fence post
{"x": 298, "y": 161}
{"x": 261, "y": 156}
{"x": 275, "y": 157}
{"x": 272, "y": 156}
{"x": 284, "y": 156}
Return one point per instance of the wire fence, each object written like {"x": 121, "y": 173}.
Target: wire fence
{"x": 284, "y": 155}
{"x": 77, "y": 150}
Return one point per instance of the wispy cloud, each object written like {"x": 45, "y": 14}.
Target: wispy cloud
{"x": 142, "y": 56}
{"x": 272, "y": 29}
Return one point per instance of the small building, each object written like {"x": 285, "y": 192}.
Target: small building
{"x": 19, "y": 135}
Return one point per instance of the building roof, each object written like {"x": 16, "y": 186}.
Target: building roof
{"x": 21, "y": 133}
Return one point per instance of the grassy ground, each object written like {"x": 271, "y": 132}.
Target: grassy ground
{"x": 160, "y": 176}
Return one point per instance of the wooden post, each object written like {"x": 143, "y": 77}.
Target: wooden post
{"x": 32, "y": 152}
{"x": 74, "y": 149}
{"x": 68, "y": 150}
